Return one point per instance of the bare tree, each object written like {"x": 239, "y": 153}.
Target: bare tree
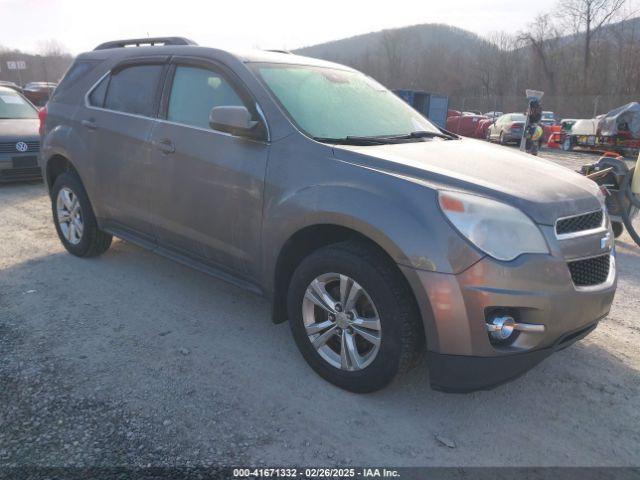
{"x": 543, "y": 39}
{"x": 52, "y": 48}
{"x": 587, "y": 18}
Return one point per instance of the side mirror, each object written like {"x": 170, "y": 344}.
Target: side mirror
{"x": 236, "y": 121}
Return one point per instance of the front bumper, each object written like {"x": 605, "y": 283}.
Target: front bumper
{"x": 9, "y": 172}
{"x": 462, "y": 374}
{"x": 535, "y": 289}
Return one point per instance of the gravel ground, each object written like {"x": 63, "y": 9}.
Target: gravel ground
{"x": 131, "y": 359}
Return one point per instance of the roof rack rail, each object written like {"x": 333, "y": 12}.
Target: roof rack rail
{"x": 275, "y": 50}
{"x": 145, "y": 41}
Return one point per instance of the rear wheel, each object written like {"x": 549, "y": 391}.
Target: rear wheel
{"x": 501, "y": 139}
{"x": 567, "y": 144}
{"x": 352, "y": 316}
{"x": 74, "y": 219}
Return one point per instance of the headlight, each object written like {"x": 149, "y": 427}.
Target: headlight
{"x": 498, "y": 229}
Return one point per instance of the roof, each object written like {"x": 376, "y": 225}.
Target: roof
{"x": 245, "y": 56}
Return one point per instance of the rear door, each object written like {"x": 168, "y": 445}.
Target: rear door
{"x": 208, "y": 185}
{"x": 119, "y": 119}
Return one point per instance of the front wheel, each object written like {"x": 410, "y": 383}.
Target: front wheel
{"x": 353, "y": 318}
{"x": 567, "y": 145}
{"x": 74, "y": 219}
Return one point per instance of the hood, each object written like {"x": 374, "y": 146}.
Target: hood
{"x": 543, "y": 190}
{"x": 19, "y": 130}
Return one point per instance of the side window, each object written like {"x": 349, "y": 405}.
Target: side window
{"x": 194, "y": 92}
{"x": 78, "y": 70}
{"x": 133, "y": 90}
{"x": 96, "y": 97}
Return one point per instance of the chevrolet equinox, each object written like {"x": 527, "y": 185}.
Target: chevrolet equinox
{"x": 374, "y": 233}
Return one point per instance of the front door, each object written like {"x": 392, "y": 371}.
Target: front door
{"x": 208, "y": 184}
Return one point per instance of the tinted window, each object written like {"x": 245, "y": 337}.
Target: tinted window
{"x": 195, "y": 91}
{"x": 133, "y": 90}
{"x": 14, "y": 105}
{"x": 96, "y": 97}
{"x": 78, "y": 70}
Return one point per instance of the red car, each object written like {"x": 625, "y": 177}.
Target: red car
{"x": 465, "y": 125}
{"x": 39, "y": 92}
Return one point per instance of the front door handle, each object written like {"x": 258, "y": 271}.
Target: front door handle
{"x": 90, "y": 124}
{"x": 165, "y": 145}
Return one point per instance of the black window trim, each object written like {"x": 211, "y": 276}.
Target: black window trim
{"x": 162, "y": 60}
{"x": 228, "y": 74}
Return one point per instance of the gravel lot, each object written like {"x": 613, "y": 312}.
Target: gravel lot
{"x": 132, "y": 359}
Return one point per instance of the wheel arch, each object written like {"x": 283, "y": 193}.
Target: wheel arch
{"x": 308, "y": 240}
{"x": 56, "y": 165}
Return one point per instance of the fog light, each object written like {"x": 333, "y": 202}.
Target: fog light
{"x": 501, "y": 328}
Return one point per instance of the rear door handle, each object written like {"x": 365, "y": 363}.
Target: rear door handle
{"x": 165, "y": 145}
{"x": 90, "y": 124}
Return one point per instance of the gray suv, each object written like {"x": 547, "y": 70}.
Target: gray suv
{"x": 375, "y": 234}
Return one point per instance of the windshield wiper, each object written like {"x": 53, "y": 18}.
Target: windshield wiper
{"x": 386, "y": 139}
{"x": 354, "y": 140}
{"x": 427, "y": 134}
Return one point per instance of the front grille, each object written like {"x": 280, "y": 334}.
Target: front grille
{"x": 10, "y": 147}
{"x": 20, "y": 173}
{"x": 579, "y": 223}
{"x": 592, "y": 271}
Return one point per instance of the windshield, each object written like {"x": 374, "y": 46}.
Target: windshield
{"x": 547, "y": 115}
{"x": 333, "y": 103}
{"x": 13, "y": 105}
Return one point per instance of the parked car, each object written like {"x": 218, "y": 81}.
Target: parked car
{"x": 548, "y": 119}
{"x": 39, "y": 92}
{"x": 507, "y": 129}
{"x": 19, "y": 137}
{"x": 483, "y": 127}
{"x": 465, "y": 124}
{"x": 12, "y": 85}
{"x": 375, "y": 234}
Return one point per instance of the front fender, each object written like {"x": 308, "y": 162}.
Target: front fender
{"x": 402, "y": 218}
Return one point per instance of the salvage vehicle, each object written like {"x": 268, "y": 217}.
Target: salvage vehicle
{"x": 19, "y": 137}
{"x": 507, "y": 129}
{"x": 39, "y": 93}
{"x": 465, "y": 124}
{"x": 375, "y": 234}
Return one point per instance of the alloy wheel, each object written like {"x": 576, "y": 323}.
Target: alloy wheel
{"x": 341, "y": 321}
{"x": 69, "y": 215}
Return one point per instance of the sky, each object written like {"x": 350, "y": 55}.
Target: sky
{"x": 81, "y": 25}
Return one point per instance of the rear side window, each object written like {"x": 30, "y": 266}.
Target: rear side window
{"x": 195, "y": 91}
{"x": 78, "y": 70}
{"x": 133, "y": 90}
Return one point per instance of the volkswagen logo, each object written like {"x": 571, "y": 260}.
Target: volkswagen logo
{"x": 22, "y": 147}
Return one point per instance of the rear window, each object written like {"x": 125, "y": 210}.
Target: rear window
{"x": 14, "y": 105}
{"x": 133, "y": 90}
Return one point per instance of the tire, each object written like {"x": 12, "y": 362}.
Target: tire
{"x": 89, "y": 241}
{"x": 567, "y": 144}
{"x": 501, "y": 139}
{"x": 401, "y": 336}
{"x": 488, "y": 136}
{"x": 618, "y": 229}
